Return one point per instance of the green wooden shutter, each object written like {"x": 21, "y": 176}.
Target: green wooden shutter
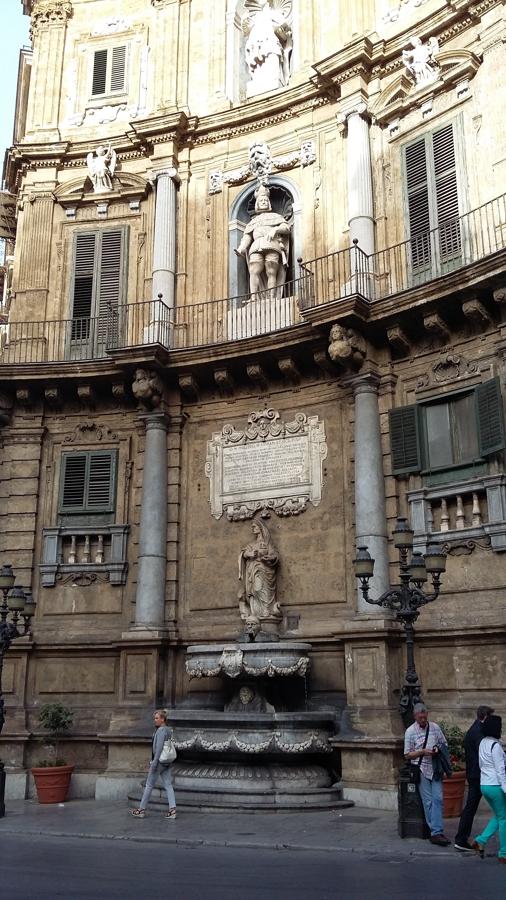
{"x": 73, "y": 482}
{"x": 118, "y": 69}
{"x": 82, "y": 299}
{"x": 417, "y": 189}
{"x": 99, "y": 72}
{"x": 404, "y": 440}
{"x": 110, "y": 286}
{"x": 446, "y": 193}
{"x": 101, "y": 481}
{"x": 490, "y": 414}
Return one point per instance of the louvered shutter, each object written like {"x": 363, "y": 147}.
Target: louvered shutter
{"x": 73, "y": 488}
{"x": 404, "y": 440}
{"x": 490, "y": 413}
{"x": 100, "y": 482}
{"x": 99, "y": 72}
{"x": 417, "y": 187}
{"x": 82, "y": 301}
{"x": 109, "y": 287}
{"x": 118, "y": 69}
{"x": 446, "y": 193}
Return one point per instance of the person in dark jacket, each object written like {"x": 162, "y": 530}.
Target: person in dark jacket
{"x": 472, "y": 742}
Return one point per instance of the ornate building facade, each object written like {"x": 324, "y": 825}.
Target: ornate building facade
{"x": 236, "y": 218}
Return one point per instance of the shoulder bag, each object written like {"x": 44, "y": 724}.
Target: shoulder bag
{"x": 169, "y": 753}
{"x": 414, "y": 767}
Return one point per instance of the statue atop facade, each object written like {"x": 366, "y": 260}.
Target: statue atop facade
{"x": 101, "y": 166}
{"x": 265, "y": 246}
{"x": 421, "y": 60}
{"x": 268, "y": 44}
{"x": 258, "y": 562}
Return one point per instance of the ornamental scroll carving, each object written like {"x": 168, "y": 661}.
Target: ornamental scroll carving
{"x": 270, "y": 466}
{"x": 50, "y": 12}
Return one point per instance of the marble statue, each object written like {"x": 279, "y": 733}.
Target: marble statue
{"x": 101, "y": 166}
{"x": 420, "y": 60}
{"x": 258, "y": 562}
{"x": 268, "y": 44}
{"x": 265, "y": 246}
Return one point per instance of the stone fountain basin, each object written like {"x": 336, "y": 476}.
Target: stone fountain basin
{"x": 279, "y": 658}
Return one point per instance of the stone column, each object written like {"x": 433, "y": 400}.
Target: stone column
{"x": 359, "y": 175}
{"x": 370, "y": 512}
{"x": 49, "y": 23}
{"x": 150, "y": 599}
{"x": 164, "y": 245}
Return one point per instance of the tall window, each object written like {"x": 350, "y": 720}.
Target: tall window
{"x": 449, "y": 436}
{"x": 88, "y": 486}
{"x": 98, "y": 290}
{"x": 109, "y": 71}
{"x": 432, "y": 197}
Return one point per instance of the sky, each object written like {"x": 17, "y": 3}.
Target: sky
{"x": 14, "y": 34}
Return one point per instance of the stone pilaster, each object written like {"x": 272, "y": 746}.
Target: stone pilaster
{"x": 355, "y": 125}
{"x": 152, "y": 562}
{"x": 164, "y": 244}
{"x": 49, "y": 24}
{"x": 370, "y": 511}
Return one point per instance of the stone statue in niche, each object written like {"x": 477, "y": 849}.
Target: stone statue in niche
{"x": 420, "y": 61}
{"x": 265, "y": 246}
{"x": 266, "y": 25}
{"x": 258, "y": 562}
{"x": 101, "y": 166}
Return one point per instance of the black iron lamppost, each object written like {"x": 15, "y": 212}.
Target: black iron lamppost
{"x": 405, "y": 599}
{"x": 15, "y": 604}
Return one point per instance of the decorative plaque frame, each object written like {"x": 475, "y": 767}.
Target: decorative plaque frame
{"x": 270, "y": 466}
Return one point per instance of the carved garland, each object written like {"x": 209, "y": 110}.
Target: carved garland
{"x": 315, "y": 742}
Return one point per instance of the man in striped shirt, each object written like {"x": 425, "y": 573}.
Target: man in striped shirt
{"x": 421, "y": 752}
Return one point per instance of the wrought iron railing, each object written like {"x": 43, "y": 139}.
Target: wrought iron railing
{"x": 455, "y": 244}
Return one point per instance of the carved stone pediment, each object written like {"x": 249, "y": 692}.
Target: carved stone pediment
{"x": 457, "y": 67}
{"x": 79, "y": 191}
{"x": 449, "y": 367}
{"x": 269, "y": 466}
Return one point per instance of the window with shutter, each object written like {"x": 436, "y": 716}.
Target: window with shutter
{"x": 109, "y": 71}
{"x": 98, "y": 290}
{"x": 88, "y": 482}
{"x": 432, "y": 199}
{"x": 449, "y": 437}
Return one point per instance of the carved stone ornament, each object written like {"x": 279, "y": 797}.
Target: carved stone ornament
{"x": 466, "y": 547}
{"x": 270, "y": 466}
{"x": 261, "y": 164}
{"x": 90, "y": 431}
{"x": 420, "y": 60}
{"x": 448, "y": 368}
{"x": 50, "y": 12}
{"x": 147, "y": 388}
{"x": 347, "y": 347}
{"x": 402, "y": 6}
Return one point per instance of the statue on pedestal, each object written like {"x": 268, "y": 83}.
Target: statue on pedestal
{"x": 268, "y": 44}
{"x": 421, "y": 60}
{"x": 265, "y": 246}
{"x": 258, "y": 562}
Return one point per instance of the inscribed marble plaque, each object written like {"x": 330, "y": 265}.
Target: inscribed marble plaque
{"x": 270, "y": 465}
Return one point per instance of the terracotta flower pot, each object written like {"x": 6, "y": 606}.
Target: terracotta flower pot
{"x": 52, "y": 783}
{"x": 453, "y": 794}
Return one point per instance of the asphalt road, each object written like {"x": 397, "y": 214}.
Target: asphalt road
{"x": 33, "y": 868}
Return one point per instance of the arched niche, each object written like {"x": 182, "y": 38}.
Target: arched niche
{"x": 285, "y": 200}
{"x": 237, "y": 73}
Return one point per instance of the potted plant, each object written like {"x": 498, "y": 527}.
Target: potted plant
{"x": 454, "y": 787}
{"x": 52, "y": 776}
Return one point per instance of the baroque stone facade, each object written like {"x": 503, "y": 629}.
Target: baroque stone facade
{"x": 132, "y": 351}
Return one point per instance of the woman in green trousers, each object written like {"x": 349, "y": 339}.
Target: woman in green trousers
{"x": 493, "y": 785}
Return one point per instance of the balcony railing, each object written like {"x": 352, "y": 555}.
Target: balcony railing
{"x": 456, "y": 243}
{"x": 453, "y": 245}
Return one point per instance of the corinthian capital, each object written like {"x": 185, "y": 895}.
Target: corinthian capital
{"x": 50, "y": 12}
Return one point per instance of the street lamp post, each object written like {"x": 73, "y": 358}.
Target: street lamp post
{"x": 405, "y": 599}
{"x": 16, "y": 604}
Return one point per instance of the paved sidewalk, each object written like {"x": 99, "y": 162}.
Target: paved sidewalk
{"x": 355, "y": 830}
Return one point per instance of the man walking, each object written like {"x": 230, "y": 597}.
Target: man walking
{"x": 422, "y": 741}
{"x": 471, "y": 747}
